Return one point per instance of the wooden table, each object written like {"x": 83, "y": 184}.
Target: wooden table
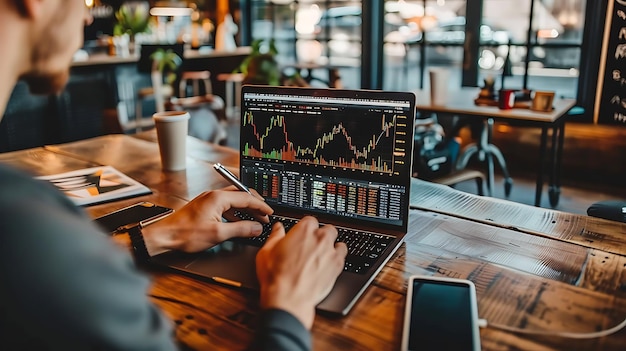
{"x": 534, "y": 268}
{"x": 461, "y": 103}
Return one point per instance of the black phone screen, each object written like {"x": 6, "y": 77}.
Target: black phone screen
{"x": 143, "y": 211}
{"x": 441, "y": 316}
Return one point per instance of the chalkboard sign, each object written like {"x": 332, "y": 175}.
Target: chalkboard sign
{"x": 613, "y": 98}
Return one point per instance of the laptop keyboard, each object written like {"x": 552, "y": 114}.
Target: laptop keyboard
{"x": 364, "y": 248}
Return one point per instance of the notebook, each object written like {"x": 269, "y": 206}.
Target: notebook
{"x": 343, "y": 156}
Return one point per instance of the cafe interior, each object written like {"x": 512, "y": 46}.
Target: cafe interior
{"x": 559, "y": 46}
{"x": 520, "y": 130}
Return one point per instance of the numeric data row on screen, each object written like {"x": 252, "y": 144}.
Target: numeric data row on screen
{"x": 347, "y": 197}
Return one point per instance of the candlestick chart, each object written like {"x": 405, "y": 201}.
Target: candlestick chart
{"x": 329, "y": 140}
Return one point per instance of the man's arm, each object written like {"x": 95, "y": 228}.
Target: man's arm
{"x": 279, "y": 330}
{"x": 70, "y": 286}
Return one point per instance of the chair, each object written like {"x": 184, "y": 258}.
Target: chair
{"x": 28, "y": 120}
{"x": 458, "y": 176}
{"x": 86, "y": 109}
{"x": 484, "y": 151}
{"x": 435, "y": 156}
{"x": 207, "y": 110}
{"x": 204, "y": 123}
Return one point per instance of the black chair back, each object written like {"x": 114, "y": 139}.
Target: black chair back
{"x": 28, "y": 121}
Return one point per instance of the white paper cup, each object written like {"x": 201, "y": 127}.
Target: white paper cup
{"x": 171, "y": 129}
{"x": 439, "y": 86}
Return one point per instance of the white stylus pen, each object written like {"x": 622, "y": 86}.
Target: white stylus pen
{"x": 232, "y": 179}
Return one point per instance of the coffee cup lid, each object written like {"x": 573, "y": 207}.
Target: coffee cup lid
{"x": 171, "y": 116}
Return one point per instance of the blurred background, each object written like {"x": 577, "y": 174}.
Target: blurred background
{"x": 531, "y": 42}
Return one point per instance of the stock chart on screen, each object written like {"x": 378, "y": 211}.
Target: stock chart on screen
{"x": 324, "y": 135}
{"x": 347, "y": 155}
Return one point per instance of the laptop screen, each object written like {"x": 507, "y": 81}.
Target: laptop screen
{"x": 343, "y": 156}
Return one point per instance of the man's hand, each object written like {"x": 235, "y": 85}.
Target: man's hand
{"x": 199, "y": 226}
{"x": 296, "y": 271}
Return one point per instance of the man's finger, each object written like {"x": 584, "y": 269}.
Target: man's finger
{"x": 341, "y": 249}
{"x": 223, "y": 201}
{"x": 257, "y": 195}
{"x": 278, "y": 232}
{"x": 306, "y": 224}
{"x": 327, "y": 233}
{"x": 243, "y": 229}
{"x": 242, "y": 199}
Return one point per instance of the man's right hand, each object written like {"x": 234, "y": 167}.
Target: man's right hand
{"x": 297, "y": 271}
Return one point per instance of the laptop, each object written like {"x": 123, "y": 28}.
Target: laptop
{"x": 343, "y": 156}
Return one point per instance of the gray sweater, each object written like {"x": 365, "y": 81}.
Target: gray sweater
{"x": 64, "y": 285}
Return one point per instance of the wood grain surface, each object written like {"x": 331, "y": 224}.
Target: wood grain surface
{"x": 534, "y": 269}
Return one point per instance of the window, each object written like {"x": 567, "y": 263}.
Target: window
{"x": 535, "y": 43}
{"x": 548, "y": 54}
{"x": 313, "y": 34}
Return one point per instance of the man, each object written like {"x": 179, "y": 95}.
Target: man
{"x": 66, "y": 286}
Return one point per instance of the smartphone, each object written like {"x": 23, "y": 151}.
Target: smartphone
{"x": 144, "y": 212}
{"x": 440, "y": 314}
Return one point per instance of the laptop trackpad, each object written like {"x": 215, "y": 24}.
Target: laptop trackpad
{"x": 228, "y": 263}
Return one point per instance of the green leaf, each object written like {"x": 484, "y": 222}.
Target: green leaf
{"x": 132, "y": 20}
{"x": 166, "y": 59}
{"x": 273, "y": 50}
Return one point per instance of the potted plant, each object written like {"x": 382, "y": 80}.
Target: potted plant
{"x": 261, "y": 67}
{"x": 132, "y": 18}
{"x": 165, "y": 64}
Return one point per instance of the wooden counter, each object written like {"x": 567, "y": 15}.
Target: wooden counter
{"x": 99, "y": 59}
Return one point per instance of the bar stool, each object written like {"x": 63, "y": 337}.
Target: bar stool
{"x": 233, "y": 90}
{"x": 206, "y": 109}
{"x": 201, "y": 95}
{"x": 195, "y": 77}
{"x": 485, "y": 151}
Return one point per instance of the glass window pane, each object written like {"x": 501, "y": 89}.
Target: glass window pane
{"x": 559, "y": 21}
{"x": 560, "y": 73}
{"x": 328, "y": 33}
{"x": 275, "y": 20}
{"x": 338, "y": 32}
{"x": 315, "y": 34}
{"x": 553, "y": 57}
{"x": 439, "y": 25}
